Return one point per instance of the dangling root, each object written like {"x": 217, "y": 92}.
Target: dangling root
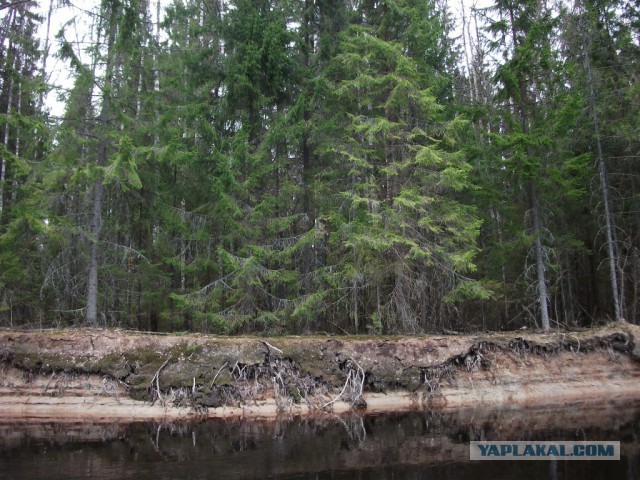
{"x": 154, "y": 390}
{"x": 355, "y": 381}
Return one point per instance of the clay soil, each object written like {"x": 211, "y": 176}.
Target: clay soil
{"x": 92, "y": 374}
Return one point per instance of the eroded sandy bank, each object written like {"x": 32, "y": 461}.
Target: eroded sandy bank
{"x": 94, "y": 374}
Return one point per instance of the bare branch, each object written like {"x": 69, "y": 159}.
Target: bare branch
{"x": 13, "y": 4}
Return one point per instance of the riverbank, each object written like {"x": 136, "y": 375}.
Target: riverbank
{"x": 91, "y": 374}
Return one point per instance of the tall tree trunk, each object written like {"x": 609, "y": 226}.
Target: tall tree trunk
{"x": 104, "y": 119}
{"x": 539, "y": 257}
{"x": 5, "y": 143}
{"x": 14, "y": 179}
{"x": 604, "y": 186}
{"x": 45, "y": 56}
{"x": 467, "y": 35}
{"x": 96, "y": 224}
{"x": 356, "y": 313}
{"x": 568, "y": 300}
{"x": 534, "y": 201}
{"x": 12, "y": 58}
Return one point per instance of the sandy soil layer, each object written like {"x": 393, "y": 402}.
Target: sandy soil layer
{"x": 106, "y": 374}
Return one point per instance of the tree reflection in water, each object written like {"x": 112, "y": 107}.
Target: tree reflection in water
{"x": 429, "y": 444}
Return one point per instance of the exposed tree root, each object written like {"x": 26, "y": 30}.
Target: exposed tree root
{"x": 280, "y": 378}
{"x": 154, "y": 390}
{"x": 201, "y": 373}
{"x": 353, "y": 386}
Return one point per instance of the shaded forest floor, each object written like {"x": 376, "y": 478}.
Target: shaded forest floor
{"x": 91, "y": 373}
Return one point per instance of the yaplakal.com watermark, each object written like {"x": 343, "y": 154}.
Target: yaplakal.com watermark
{"x": 545, "y": 450}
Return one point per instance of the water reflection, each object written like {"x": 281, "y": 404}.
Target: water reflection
{"x": 416, "y": 445}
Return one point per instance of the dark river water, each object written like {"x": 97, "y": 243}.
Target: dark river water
{"x": 416, "y": 445}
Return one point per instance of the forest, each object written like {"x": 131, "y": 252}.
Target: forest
{"x": 306, "y": 166}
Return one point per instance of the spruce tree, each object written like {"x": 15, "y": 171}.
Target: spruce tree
{"x": 400, "y": 241}
{"x": 23, "y": 142}
{"x": 523, "y": 31}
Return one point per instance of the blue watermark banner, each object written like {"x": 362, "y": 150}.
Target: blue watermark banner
{"x": 544, "y": 450}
